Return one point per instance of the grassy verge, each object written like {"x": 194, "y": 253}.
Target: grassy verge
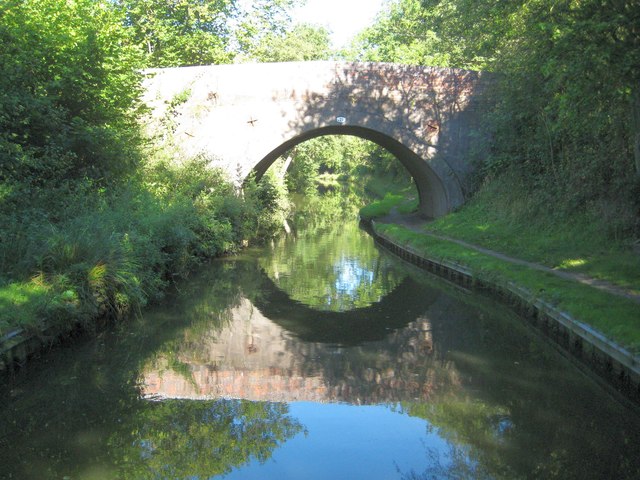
{"x": 615, "y": 317}
{"x": 391, "y": 201}
{"x": 587, "y": 242}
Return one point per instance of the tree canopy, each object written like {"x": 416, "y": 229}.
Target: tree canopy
{"x": 303, "y": 42}
{"x": 182, "y": 32}
{"x": 567, "y": 107}
{"x": 68, "y": 93}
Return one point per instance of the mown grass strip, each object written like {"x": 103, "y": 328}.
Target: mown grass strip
{"x": 616, "y": 318}
{"x": 582, "y": 243}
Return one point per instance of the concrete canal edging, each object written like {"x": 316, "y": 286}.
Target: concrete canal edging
{"x": 18, "y": 346}
{"x": 618, "y": 367}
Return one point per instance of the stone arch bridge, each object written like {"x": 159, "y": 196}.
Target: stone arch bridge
{"x": 246, "y": 116}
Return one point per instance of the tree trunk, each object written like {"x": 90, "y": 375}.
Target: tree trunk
{"x": 635, "y": 112}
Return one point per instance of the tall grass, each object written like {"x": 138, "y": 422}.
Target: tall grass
{"x": 84, "y": 253}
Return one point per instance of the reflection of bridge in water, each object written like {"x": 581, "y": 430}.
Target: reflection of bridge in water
{"x": 254, "y": 358}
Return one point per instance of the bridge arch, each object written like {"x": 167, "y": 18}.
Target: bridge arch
{"x": 245, "y": 116}
{"x": 432, "y": 195}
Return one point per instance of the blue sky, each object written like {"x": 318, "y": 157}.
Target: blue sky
{"x": 344, "y": 18}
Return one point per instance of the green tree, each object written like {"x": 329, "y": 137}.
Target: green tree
{"x": 260, "y": 20}
{"x": 69, "y": 92}
{"x": 407, "y": 33}
{"x": 566, "y": 120}
{"x": 302, "y": 43}
{"x": 182, "y": 32}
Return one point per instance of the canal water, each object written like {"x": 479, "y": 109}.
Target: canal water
{"x": 317, "y": 356}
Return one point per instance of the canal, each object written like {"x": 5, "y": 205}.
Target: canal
{"x": 316, "y": 356}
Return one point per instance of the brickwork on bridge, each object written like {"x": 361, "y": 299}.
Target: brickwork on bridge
{"x": 252, "y": 357}
{"x": 245, "y": 116}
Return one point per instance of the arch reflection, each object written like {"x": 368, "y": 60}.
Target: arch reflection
{"x": 331, "y": 266}
{"x": 253, "y": 357}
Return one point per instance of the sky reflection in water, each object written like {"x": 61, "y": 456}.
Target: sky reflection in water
{"x": 374, "y": 441}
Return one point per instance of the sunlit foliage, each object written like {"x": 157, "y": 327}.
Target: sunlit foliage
{"x": 178, "y": 33}
{"x": 69, "y": 91}
{"x": 94, "y": 223}
{"x": 343, "y": 158}
{"x": 301, "y": 43}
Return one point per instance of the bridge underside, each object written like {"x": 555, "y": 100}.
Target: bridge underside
{"x": 433, "y": 199}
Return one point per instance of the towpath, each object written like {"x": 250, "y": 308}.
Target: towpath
{"x": 418, "y": 224}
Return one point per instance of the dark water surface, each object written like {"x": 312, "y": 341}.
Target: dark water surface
{"x": 316, "y": 357}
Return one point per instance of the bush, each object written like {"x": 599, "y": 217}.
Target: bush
{"x": 79, "y": 252}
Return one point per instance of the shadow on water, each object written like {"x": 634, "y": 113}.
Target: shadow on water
{"x": 353, "y": 327}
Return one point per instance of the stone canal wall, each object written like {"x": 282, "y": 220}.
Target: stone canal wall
{"x": 615, "y": 366}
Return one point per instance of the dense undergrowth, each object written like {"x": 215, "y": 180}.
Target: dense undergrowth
{"x": 107, "y": 252}
{"x": 95, "y": 219}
